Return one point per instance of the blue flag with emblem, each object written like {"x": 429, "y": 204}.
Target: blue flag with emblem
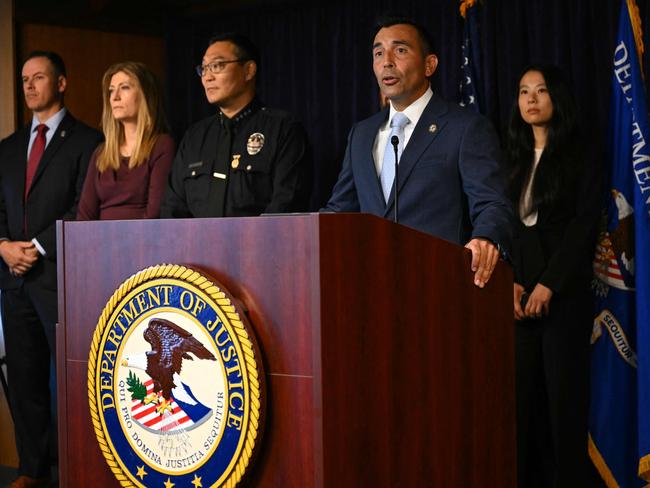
{"x": 470, "y": 82}
{"x": 619, "y": 424}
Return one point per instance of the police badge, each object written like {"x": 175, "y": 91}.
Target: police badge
{"x": 255, "y": 143}
{"x": 174, "y": 382}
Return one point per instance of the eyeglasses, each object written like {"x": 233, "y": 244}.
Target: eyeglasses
{"x": 215, "y": 66}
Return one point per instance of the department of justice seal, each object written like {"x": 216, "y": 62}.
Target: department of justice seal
{"x": 174, "y": 382}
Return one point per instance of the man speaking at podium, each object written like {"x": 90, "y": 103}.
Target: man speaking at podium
{"x": 450, "y": 184}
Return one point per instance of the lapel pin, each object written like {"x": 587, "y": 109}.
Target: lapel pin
{"x": 62, "y": 133}
{"x": 433, "y": 128}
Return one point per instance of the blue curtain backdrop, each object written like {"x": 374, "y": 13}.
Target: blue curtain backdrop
{"x": 316, "y": 61}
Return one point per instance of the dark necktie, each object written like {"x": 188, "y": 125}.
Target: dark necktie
{"x": 219, "y": 187}
{"x": 35, "y": 155}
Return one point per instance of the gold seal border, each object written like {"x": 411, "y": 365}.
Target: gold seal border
{"x": 215, "y": 293}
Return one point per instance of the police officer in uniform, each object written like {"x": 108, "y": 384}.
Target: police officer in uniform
{"x": 247, "y": 159}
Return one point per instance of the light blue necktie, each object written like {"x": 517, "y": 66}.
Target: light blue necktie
{"x": 387, "y": 176}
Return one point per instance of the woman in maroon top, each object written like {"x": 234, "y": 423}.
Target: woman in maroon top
{"x": 127, "y": 175}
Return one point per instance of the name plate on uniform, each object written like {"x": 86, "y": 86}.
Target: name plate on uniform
{"x": 175, "y": 382}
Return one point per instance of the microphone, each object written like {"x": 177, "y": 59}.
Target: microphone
{"x": 395, "y": 142}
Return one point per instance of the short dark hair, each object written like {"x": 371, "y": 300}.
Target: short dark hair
{"x": 423, "y": 33}
{"x": 54, "y": 58}
{"x": 244, "y": 47}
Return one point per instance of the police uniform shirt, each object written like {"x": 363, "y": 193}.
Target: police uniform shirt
{"x": 256, "y": 162}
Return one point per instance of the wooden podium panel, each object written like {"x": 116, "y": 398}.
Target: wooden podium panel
{"x": 385, "y": 366}
{"x": 432, "y": 399}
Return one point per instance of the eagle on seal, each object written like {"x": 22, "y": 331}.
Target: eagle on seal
{"x": 170, "y": 344}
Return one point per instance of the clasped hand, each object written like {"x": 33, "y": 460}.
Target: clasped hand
{"x": 20, "y": 256}
{"x": 538, "y": 303}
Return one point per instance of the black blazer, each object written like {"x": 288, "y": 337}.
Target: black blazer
{"x": 558, "y": 250}
{"x": 54, "y": 193}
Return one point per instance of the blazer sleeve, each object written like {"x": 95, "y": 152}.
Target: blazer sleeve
{"x": 4, "y": 224}
{"x": 577, "y": 244}
{"x": 483, "y": 182}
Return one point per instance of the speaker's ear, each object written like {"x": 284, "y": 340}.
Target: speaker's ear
{"x": 430, "y": 64}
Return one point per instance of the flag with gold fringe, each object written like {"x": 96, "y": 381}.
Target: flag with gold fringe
{"x": 619, "y": 423}
{"x": 470, "y": 82}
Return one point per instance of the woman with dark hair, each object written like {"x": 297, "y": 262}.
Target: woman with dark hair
{"x": 551, "y": 185}
{"x": 127, "y": 175}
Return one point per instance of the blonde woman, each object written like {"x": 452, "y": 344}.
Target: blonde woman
{"x": 128, "y": 172}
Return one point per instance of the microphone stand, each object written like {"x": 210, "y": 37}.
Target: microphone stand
{"x": 395, "y": 142}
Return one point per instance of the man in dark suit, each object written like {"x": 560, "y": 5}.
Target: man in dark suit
{"x": 449, "y": 179}
{"x": 42, "y": 169}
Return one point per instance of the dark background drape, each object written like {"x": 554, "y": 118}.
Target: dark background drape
{"x": 316, "y": 61}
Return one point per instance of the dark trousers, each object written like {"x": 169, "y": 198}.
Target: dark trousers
{"x": 552, "y": 386}
{"x": 29, "y": 316}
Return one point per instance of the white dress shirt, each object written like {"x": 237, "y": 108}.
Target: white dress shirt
{"x": 413, "y": 112}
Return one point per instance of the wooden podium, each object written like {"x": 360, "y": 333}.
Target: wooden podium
{"x": 385, "y": 365}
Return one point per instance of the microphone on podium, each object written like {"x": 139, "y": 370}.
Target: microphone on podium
{"x": 395, "y": 142}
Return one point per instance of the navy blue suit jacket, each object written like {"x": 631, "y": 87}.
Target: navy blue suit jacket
{"x": 450, "y": 182}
